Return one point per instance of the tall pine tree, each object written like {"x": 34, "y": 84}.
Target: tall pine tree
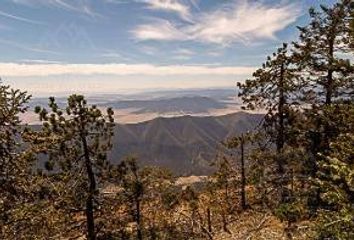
{"x": 321, "y": 54}
{"x": 272, "y": 89}
{"x": 76, "y": 141}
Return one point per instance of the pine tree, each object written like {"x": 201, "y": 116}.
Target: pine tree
{"x": 322, "y": 57}
{"x": 320, "y": 53}
{"x": 336, "y": 178}
{"x": 349, "y": 21}
{"x": 75, "y": 141}
{"x": 12, "y": 104}
{"x": 273, "y": 89}
{"x": 241, "y": 142}
{"x": 147, "y": 193}
{"x": 15, "y": 167}
{"x": 134, "y": 191}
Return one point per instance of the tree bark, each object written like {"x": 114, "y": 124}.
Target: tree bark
{"x": 329, "y": 84}
{"x": 210, "y": 229}
{"x": 243, "y": 174}
{"x": 138, "y": 220}
{"x": 280, "y": 135}
{"x": 91, "y": 234}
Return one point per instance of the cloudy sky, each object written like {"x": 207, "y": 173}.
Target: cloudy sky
{"x": 95, "y": 46}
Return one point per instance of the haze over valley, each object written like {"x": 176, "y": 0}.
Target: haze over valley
{"x": 147, "y": 105}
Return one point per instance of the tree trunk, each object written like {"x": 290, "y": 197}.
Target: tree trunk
{"x": 224, "y": 222}
{"x": 91, "y": 234}
{"x": 280, "y": 134}
{"x": 243, "y": 175}
{"x": 329, "y": 84}
{"x": 138, "y": 220}
{"x": 210, "y": 229}
{"x": 329, "y": 88}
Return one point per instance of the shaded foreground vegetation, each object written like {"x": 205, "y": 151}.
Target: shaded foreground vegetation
{"x": 292, "y": 177}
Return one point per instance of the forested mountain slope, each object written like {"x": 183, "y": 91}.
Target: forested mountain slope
{"x": 186, "y": 145}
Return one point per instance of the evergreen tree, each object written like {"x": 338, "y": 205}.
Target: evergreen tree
{"x": 322, "y": 57}
{"x": 273, "y": 89}
{"x": 15, "y": 167}
{"x": 75, "y": 141}
{"x": 12, "y": 104}
{"x": 320, "y": 53}
{"x": 148, "y": 194}
{"x": 335, "y": 177}
{"x": 241, "y": 142}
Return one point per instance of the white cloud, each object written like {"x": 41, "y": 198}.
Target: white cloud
{"x": 115, "y": 55}
{"x": 39, "y": 61}
{"x": 185, "y": 51}
{"x": 43, "y": 70}
{"x": 244, "y": 22}
{"x": 176, "y": 6}
{"x": 183, "y": 54}
{"x": 160, "y": 30}
{"x": 111, "y": 55}
{"x": 117, "y": 1}
{"x": 239, "y": 21}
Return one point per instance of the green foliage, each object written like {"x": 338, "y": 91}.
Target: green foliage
{"x": 336, "y": 179}
{"x": 272, "y": 89}
{"x": 319, "y": 52}
{"x": 16, "y": 180}
{"x": 307, "y": 95}
{"x": 75, "y": 142}
{"x": 289, "y": 212}
{"x": 276, "y": 75}
{"x": 144, "y": 201}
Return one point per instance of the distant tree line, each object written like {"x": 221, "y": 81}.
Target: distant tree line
{"x": 297, "y": 165}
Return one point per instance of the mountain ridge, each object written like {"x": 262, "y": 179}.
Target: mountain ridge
{"x": 185, "y": 144}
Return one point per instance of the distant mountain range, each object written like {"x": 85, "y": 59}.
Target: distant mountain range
{"x": 180, "y": 105}
{"x": 180, "y": 129}
{"x": 138, "y": 107}
{"x": 186, "y": 145}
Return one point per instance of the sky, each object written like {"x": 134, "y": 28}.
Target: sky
{"x": 53, "y": 47}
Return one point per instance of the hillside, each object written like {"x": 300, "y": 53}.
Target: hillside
{"x": 186, "y": 145}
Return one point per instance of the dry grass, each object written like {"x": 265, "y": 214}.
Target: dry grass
{"x": 253, "y": 225}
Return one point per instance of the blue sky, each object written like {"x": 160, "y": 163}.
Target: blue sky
{"x": 94, "y": 46}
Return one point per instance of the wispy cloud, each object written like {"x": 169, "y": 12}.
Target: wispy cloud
{"x": 80, "y": 6}
{"x": 244, "y": 22}
{"x": 238, "y": 21}
{"x": 32, "y": 70}
{"x": 112, "y": 55}
{"x": 117, "y": 1}
{"x": 183, "y": 54}
{"x": 159, "y": 30}
{"x": 21, "y": 19}
{"x": 39, "y": 61}
{"x": 176, "y": 6}
{"x": 185, "y": 51}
